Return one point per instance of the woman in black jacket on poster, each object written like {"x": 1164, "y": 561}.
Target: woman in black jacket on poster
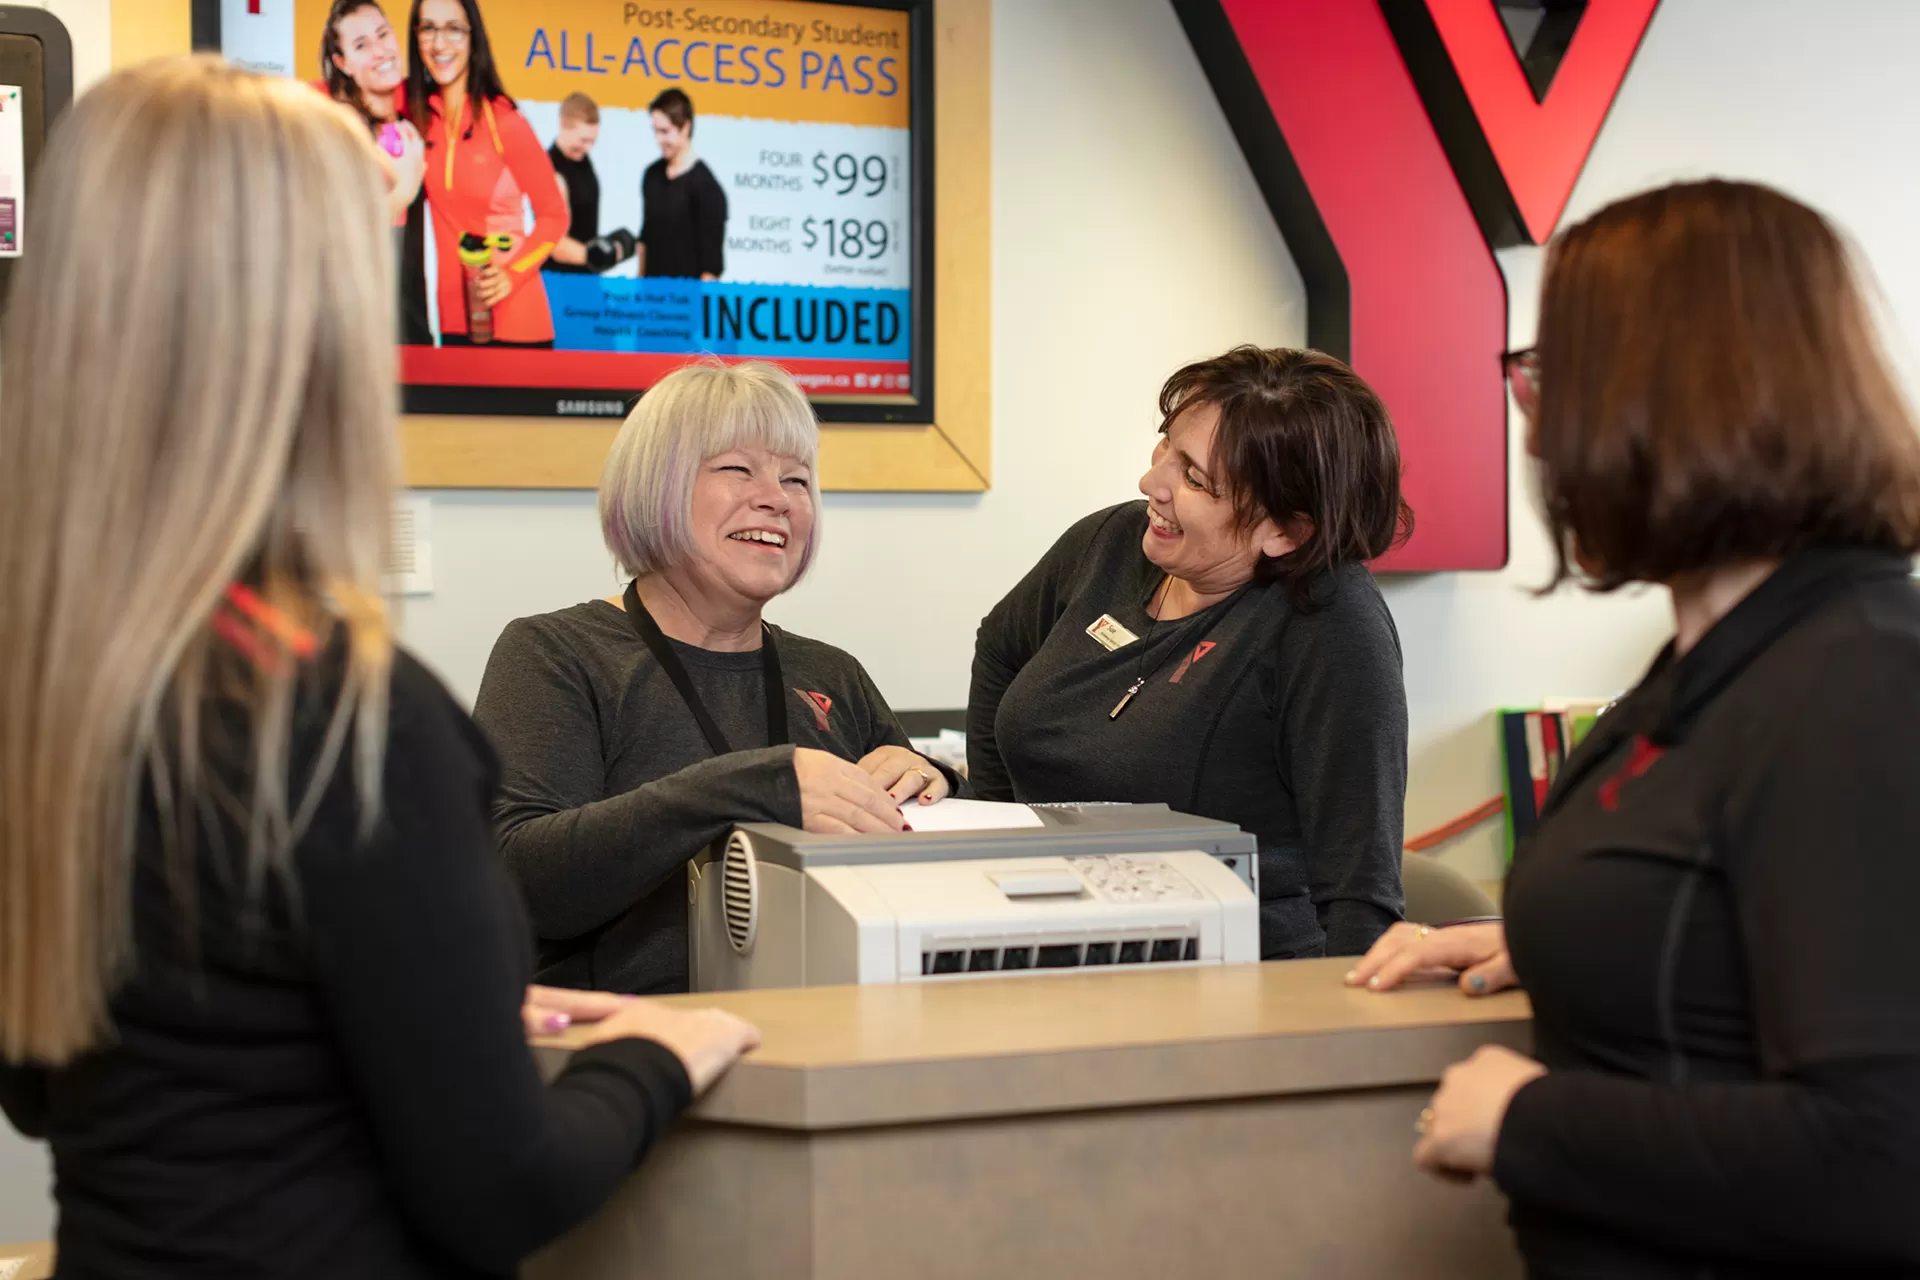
{"x": 1709, "y": 920}
{"x": 263, "y": 983}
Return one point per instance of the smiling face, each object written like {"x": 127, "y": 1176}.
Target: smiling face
{"x": 445, "y": 40}
{"x": 1191, "y": 530}
{"x": 369, "y": 52}
{"x": 673, "y": 138}
{"x": 752, "y": 520}
{"x": 576, "y": 138}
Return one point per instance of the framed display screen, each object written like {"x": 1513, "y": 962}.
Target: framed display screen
{"x": 630, "y": 186}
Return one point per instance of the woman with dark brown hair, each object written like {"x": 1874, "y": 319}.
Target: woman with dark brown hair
{"x": 360, "y": 66}
{"x": 1221, "y": 648}
{"x": 1728, "y": 1074}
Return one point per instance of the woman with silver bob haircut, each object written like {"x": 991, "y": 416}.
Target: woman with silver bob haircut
{"x": 633, "y": 731}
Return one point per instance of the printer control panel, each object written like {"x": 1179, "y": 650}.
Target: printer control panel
{"x": 1134, "y": 878}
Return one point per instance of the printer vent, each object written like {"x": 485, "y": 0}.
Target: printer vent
{"x": 1044, "y": 953}
{"x": 740, "y": 891}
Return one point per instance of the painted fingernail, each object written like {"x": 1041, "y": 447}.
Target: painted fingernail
{"x": 558, "y": 1022}
{"x": 1373, "y": 983}
{"x": 1477, "y": 984}
{"x": 1353, "y": 976}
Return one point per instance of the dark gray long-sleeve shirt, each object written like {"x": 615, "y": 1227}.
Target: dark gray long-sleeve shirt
{"x": 608, "y": 787}
{"x": 1291, "y": 724}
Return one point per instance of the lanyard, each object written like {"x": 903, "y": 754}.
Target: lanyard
{"x": 656, "y": 640}
{"x": 1180, "y": 639}
{"x": 453, "y": 135}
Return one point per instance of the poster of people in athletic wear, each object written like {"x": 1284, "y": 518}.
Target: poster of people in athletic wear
{"x": 592, "y": 192}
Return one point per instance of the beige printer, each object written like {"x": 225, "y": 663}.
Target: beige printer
{"x": 1091, "y": 886}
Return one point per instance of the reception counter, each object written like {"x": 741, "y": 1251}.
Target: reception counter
{"x": 1251, "y": 1120}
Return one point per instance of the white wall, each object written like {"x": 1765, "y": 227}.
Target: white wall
{"x": 1100, "y": 107}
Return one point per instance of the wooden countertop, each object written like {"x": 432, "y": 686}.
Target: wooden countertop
{"x": 838, "y": 1057}
{"x": 26, "y": 1261}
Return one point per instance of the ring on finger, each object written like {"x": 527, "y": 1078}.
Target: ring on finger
{"x": 1424, "y": 1121}
{"x": 1423, "y": 931}
{"x": 926, "y": 779}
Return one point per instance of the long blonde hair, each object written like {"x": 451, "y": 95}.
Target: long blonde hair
{"x": 196, "y": 387}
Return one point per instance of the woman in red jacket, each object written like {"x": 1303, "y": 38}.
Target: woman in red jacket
{"x": 483, "y": 163}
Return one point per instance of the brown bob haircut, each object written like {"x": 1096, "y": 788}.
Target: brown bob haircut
{"x": 1300, "y": 437}
{"x": 1711, "y": 391}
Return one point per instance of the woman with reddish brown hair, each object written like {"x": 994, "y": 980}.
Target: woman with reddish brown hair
{"x": 1221, "y": 648}
{"x": 1728, "y": 1042}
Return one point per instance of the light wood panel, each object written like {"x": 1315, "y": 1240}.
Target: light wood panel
{"x": 143, "y": 29}
{"x": 953, "y": 455}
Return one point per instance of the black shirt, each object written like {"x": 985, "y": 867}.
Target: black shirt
{"x": 610, "y": 788}
{"x": 1291, "y": 724}
{"x": 341, "y": 1089}
{"x": 583, "y": 203}
{"x": 410, "y": 249}
{"x": 685, "y": 225}
{"x": 1713, "y": 924}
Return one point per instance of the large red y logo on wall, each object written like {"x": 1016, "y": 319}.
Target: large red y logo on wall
{"x": 1397, "y": 143}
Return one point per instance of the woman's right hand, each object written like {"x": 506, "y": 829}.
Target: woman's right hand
{"x": 410, "y": 166}
{"x": 707, "y": 1041}
{"x": 1477, "y": 952}
{"x": 838, "y": 797}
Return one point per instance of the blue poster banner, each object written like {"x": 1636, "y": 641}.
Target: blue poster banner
{"x": 681, "y": 316}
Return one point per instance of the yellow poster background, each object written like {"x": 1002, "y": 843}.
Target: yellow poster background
{"x": 810, "y": 60}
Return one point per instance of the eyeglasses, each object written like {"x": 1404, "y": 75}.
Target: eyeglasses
{"x": 1522, "y": 368}
{"x": 453, "y": 33}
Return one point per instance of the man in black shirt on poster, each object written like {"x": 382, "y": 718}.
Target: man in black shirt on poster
{"x": 685, "y": 211}
{"x": 583, "y": 250}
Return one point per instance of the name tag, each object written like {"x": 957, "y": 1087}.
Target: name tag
{"x": 1110, "y": 633}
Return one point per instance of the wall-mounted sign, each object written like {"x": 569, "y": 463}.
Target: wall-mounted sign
{"x": 647, "y": 185}
{"x": 36, "y": 83}
{"x": 1397, "y": 143}
{"x": 13, "y": 170}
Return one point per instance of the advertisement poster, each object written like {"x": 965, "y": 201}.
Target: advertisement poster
{"x": 651, "y": 184}
{"x": 13, "y": 171}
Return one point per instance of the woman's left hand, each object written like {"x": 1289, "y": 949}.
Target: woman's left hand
{"x": 494, "y": 285}
{"x": 547, "y": 1011}
{"x": 1461, "y": 1124}
{"x": 905, "y": 774}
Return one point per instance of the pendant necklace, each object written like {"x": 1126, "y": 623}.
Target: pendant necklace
{"x": 1140, "y": 677}
{"x": 1146, "y": 646}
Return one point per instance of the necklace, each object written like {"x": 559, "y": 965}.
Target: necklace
{"x": 1146, "y": 647}
{"x": 1141, "y": 676}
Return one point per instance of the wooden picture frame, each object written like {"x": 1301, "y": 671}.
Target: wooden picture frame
{"x": 952, "y": 454}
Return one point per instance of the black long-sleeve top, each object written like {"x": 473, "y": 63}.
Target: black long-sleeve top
{"x": 1290, "y": 723}
{"x": 340, "y": 1087}
{"x": 683, "y": 221}
{"x": 1713, "y": 924}
{"x": 609, "y": 788}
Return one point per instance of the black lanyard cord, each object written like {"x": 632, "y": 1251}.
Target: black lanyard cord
{"x": 656, "y": 640}
{"x": 1200, "y": 625}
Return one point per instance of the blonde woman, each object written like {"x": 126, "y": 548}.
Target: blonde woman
{"x": 261, "y": 979}
{"x": 635, "y": 730}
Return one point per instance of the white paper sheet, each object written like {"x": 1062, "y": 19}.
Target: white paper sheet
{"x": 968, "y": 815}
